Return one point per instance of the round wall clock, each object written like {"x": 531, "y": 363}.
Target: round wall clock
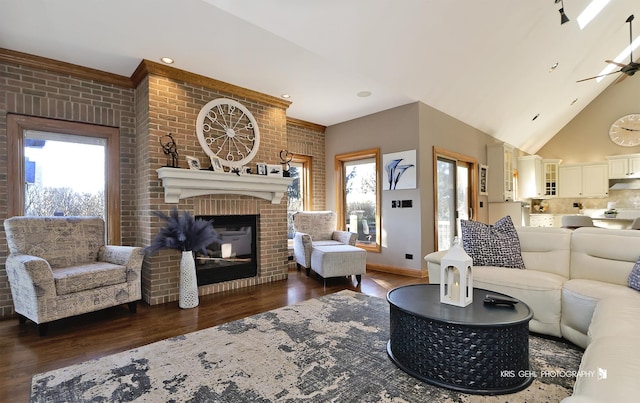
{"x": 227, "y": 130}
{"x": 626, "y": 130}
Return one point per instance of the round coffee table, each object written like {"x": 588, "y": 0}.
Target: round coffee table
{"x": 480, "y": 349}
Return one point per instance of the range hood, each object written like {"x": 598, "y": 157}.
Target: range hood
{"x": 623, "y": 184}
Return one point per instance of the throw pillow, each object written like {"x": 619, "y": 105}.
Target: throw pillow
{"x": 634, "y": 276}
{"x": 492, "y": 245}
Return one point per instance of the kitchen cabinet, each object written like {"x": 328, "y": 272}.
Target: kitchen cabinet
{"x": 500, "y": 181}
{"x": 624, "y": 166}
{"x": 541, "y": 220}
{"x": 537, "y": 177}
{"x": 550, "y": 172}
{"x": 583, "y": 180}
{"x": 530, "y": 183}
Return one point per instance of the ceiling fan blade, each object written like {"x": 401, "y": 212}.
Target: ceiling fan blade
{"x": 621, "y": 78}
{"x": 603, "y": 75}
{"x": 616, "y": 63}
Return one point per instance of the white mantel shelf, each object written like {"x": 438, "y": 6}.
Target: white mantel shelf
{"x": 182, "y": 183}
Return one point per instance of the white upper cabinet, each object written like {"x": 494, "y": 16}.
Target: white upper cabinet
{"x": 624, "y": 166}
{"x": 537, "y": 177}
{"x": 584, "y": 180}
{"x": 500, "y": 181}
{"x": 530, "y": 177}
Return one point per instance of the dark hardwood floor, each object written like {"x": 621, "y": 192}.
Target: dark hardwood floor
{"x": 69, "y": 341}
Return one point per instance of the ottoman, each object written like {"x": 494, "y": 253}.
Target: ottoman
{"x": 339, "y": 260}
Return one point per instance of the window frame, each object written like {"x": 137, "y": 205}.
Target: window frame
{"x": 340, "y": 160}
{"x": 16, "y": 127}
{"x": 474, "y": 181}
{"x": 307, "y": 175}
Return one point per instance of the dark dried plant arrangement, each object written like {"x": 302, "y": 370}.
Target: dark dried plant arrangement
{"x": 183, "y": 232}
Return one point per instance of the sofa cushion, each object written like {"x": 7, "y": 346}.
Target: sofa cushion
{"x": 615, "y": 316}
{"x": 579, "y": 300}
{"x": 610, "y": 368}
{"x": 541, "y": 291}
{"x": 634, "y": 277}
{"x": 492, "y": 245}
{"x": 88, "y": 276}
{"x": 606, "y": 255}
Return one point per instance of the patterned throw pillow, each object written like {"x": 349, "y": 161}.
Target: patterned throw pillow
{"x": 634, "y": 276}
{"x": 492, "y": 245}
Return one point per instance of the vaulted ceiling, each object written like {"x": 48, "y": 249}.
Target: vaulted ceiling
{"x": 484, "y": 62}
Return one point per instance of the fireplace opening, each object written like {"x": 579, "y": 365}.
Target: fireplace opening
{"x": 236, "y": 256}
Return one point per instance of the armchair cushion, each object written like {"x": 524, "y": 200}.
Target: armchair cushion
{"x": 88, "y": 276}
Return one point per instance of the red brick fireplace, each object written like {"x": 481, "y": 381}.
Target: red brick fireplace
{"x": 154, "y": 101}
{"x": 168, "y": 105}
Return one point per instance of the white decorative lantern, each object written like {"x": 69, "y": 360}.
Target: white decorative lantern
{"x": 456, "y": 277}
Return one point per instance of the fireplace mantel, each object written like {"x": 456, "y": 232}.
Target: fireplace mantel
{"x": 182, "y": 183}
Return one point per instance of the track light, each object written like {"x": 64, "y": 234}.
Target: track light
{"x": 563, "y": 16}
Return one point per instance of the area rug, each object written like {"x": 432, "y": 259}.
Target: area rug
{"x": 328, "y": 349}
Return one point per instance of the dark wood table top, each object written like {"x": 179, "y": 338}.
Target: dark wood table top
{"x": 423, "y": 300}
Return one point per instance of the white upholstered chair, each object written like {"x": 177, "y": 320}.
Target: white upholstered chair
{"x": 316, "y": 228}
{"x": 60, "y": 267}
{"x": 576, "y": 221}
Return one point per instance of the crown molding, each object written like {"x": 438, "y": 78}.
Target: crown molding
{"x": 147, "y": 67}
{"x": 306, "y": 125}
{"x": 56, "y": 66}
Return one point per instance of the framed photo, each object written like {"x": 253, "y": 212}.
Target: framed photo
{"x": 261, "y": 169}
{"x": 482, "y": 184}
{"x": 216, "y": 164}
{"x": 274, "y": 170}
{"x": 193, "y": 162}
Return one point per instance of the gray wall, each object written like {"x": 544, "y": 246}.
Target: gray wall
{"x": 418, "y": 127}
{"x": 586, "y": 137}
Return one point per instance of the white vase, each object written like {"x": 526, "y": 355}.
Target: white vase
{"x": 188, "y": 281}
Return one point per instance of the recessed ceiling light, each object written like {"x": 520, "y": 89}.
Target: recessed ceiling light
{"x": 574, "y": 101}
{"x": 286, "y": 96}
{"x": 364, "y": 94}
{"x": 589, "y": 13}
{"x": 553, "y": 67}
{"x": 167, "y": 60}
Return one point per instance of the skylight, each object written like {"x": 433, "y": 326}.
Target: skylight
{"x": 621, "y": 58}
{"x": 589, "y": 13}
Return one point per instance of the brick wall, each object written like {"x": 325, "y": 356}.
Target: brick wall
{"x": 308, "y": 139}
{"x": 156, "y": 106}
{"x": 173, "y": 108}
{"x": 35, "y": 92}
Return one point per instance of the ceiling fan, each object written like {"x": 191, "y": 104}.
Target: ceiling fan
{"x": 628, "y": 69}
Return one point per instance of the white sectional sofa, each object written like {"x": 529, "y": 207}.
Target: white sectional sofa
{"x": 576, "y": 284}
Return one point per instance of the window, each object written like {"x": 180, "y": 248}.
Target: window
{"x": 455, "y": 195}
{"x": 358, "y": 193}
{"x": 64, "y": 168}
{"x": 299, "y": 192}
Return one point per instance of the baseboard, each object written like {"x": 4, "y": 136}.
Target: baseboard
{"x": 422, "y": 273}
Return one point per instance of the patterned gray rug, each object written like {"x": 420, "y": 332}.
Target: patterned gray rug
{"x": 331, "y": 348}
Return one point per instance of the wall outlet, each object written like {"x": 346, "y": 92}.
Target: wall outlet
{"x": 408, "y": 256}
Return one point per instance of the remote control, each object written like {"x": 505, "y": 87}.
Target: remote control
{"x": 499, "y": 300}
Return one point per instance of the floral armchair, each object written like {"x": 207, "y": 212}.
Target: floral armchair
{"x": 60, "y": 267}
{"x": 316, "y": 228}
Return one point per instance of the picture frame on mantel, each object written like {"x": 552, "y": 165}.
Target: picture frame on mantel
{"x": 483, "y": 177}
{"x": 274, "y": 170}
{"x": 193, "y": 162}
{"x": 216, "y": 164}
{"x": 261, "y": 168}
